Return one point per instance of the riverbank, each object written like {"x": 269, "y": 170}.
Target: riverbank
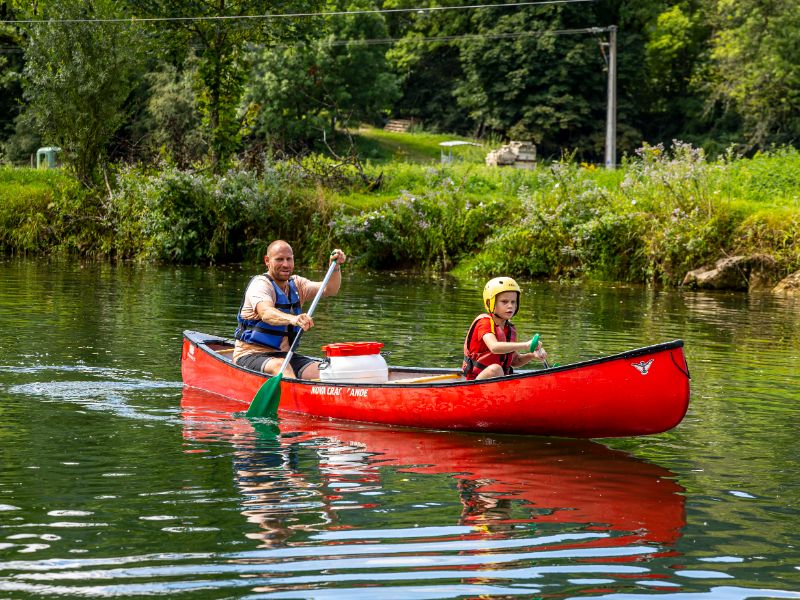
{"x": 658, "y": 216}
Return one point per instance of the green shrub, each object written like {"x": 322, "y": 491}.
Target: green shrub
{"x": 683, "y": 242}
{"x": 434, "y": 229}
{"x": 663, "y": 213}
{"x": 613, "y": 246}
{"x": 187, "y": 217}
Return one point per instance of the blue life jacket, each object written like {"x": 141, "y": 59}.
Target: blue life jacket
{"x": 256, "y": 331}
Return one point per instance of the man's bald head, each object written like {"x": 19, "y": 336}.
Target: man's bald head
{"x": 278, "y": 245}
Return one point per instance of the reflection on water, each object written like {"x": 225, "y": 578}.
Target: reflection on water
{"x": 116, "y": 482}
{"x": 573, "y": 507}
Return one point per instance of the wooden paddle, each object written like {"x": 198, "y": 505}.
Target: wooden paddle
{"x": 268, "y": 397}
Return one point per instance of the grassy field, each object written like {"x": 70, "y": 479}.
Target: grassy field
{"x": 379, "y": 146}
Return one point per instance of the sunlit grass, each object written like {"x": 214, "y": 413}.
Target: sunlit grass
{"x": 422, "y": 147}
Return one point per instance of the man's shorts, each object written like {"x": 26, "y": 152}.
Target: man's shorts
{"x": 258, "y": 360}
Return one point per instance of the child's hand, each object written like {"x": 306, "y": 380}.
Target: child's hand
{"x": 540, "y": 353}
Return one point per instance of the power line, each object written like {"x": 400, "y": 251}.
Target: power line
{"x": 290, "y": 15}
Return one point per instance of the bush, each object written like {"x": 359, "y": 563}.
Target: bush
{"x": 661, "y": 215}
{"x": 186, "y": 217}
{"x": 434, "y": 229}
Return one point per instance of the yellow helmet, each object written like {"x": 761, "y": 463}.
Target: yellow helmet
{"x": 496, "y": 286}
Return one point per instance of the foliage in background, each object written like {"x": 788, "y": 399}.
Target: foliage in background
{"x": 11, "y": 66}
{"x": 663, "y": 213}
{"x": 755, "y": 67}
{"x": 303, "y": 91}
{"x": 505, "y": 91}
{"x": 220, "y": 43}
{"x": 77, "y": 78}
{"x": 712, "y": 72}
{"x": 173, "y": 123}
{"x": 178, "y": 216}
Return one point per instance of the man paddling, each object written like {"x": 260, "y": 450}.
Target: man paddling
{"x": 270, "y": 315}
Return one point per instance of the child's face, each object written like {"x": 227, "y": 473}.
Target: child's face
{"x": 505, "y": 304}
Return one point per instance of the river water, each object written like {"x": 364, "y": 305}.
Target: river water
{"x": 115, "y": 481}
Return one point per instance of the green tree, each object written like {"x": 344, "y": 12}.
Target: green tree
{"x": 78, "y": 74}
{"x": 220, "y": 32}
{"x": 172, "y": 119}
{"x": 428, "y": 64}
{"x": 11, "y": 65}
{"x": 671, "y": 43}
{"x": 527, "y": 82}
{"x": 304, "y": 91}
{"x": 10, "y": 81}
{"x": 755, "y": 67}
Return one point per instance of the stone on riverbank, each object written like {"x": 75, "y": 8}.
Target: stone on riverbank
{"x": 746, "y": 273}
{"x": 789, "y": 286}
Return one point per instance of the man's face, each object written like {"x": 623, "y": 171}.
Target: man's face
{"x": 280, "y": 262}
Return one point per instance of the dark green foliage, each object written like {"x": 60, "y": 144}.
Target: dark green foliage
{"x": 545, "y": 88}
{"x": 302, "y": 92}
{"x": 220, "y": 43}
{"x": 11, "y": 65}
{"x": 173, "y": 124}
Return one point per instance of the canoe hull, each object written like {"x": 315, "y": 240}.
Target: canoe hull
{"x": 640, "y": 392}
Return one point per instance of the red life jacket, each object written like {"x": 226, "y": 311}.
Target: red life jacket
{"x": 477, "y": 355}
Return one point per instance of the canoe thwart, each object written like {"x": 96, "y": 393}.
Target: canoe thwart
{"x": 427, "y": 379}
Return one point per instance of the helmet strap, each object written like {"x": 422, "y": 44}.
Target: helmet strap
{"x": 494, "y": 314}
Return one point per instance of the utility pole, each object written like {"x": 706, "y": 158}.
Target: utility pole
{"x": 611, "y": 107}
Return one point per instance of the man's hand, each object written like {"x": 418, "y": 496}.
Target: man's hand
{"x": 304, "y": 322}
{"x": 338, "y": 256}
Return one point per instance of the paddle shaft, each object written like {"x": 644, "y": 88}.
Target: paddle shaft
{"x": 310, "y": 313}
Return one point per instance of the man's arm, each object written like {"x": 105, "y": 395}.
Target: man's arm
{"x": 273, "y": 316}
{"x": 335, "y": 282}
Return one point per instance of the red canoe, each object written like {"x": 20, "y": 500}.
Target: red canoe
{"x": 638, "y": 392}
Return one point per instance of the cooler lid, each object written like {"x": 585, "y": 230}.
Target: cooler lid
{"x": 352, "y": 348}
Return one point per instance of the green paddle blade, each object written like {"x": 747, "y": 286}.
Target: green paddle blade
{"x": 534, "y": 343}
{"x": 268, "y": 397}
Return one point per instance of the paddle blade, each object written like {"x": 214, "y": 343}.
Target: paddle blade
{"x": 265, "y": 402}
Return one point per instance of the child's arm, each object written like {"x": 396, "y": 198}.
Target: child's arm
{"x": 522, "y": 348}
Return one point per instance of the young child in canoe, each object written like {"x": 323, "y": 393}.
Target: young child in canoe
{"x": 491, "y": 348}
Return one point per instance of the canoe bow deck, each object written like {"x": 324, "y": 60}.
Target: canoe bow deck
{"x": 639, "y": 392}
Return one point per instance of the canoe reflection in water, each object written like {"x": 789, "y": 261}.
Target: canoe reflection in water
{"x": 310, "y": 474}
